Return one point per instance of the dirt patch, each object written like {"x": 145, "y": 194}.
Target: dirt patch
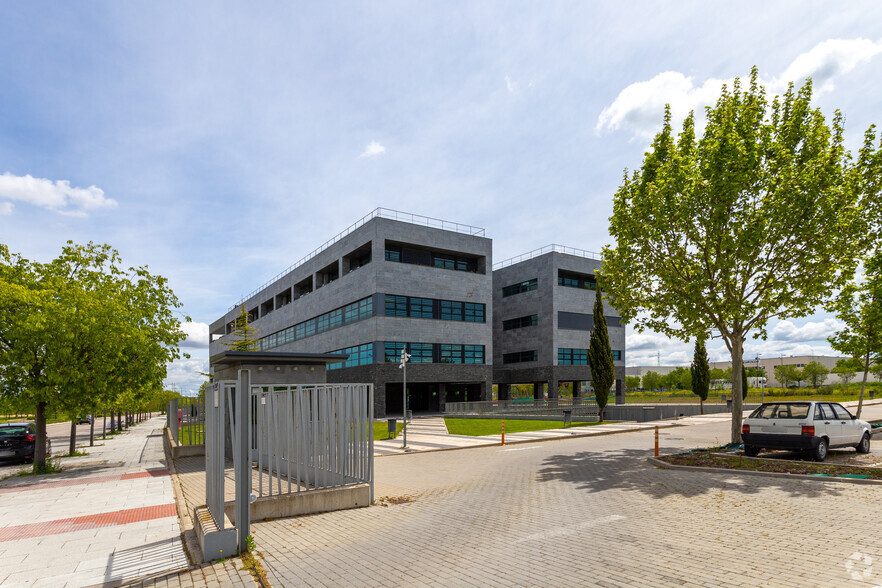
{"x": 737, "y": 462}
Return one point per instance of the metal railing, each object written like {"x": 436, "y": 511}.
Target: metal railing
{"x": 543, "y": 251}
{"x": 524, "y": 407}
{"x": 308, "y": 437}
{"x": 397, "y": 215}
{"x": 186, "y": 420}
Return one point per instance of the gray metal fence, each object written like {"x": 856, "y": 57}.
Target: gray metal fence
{"x": 302, "y": 437}
{"x": 554, "y": 407}
{"x": 308, "y": 437}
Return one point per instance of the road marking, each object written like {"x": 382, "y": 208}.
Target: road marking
{"x": 520, "y": 449}
{"x": 571, "y": 530}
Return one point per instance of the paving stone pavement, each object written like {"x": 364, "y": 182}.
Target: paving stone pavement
{"x": 586, "y": 511}
{"x": 108, "y": 519}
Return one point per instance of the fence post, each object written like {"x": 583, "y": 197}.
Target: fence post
{"x": 243, "y": 459}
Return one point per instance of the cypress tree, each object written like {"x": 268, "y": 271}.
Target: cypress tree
{"x": 600, "y": 357}
{"x": 700, "y": 372}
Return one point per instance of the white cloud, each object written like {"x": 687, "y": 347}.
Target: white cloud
{"x": 197, "y": 334}
{"x": 6, "y": 208}
{"x": 639, "y": 108}
{"x": 511, "y": 86}
{"x": 811, "y": 331}
{"x": 184, "y": 375}
{"x": 373, "y": 148}
{"x": 57, "y": 196}
{"x": 825, "y": 61}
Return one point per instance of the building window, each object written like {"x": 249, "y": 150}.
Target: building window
{"x": 453, "y": 262}
{"x": 519, "y": 288}
{"x": 359, "y": 355}
{"x": 435, "y": 352}
{"x": 393, "y": 253}
{"x": 473, "y": 354}
{"x": 574, "y": 280}
{"x": 572, "y": 356}
{"x": 520, "y": 356}
{"x": 451, "y": 310}
{"x": 520, "y": 322}
{"x": 617, "y": 355}
{"x": 447, "y": 310}
{"x": 350, "y": 313}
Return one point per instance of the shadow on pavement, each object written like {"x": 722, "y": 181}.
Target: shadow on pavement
{"x": 628, "y": 470}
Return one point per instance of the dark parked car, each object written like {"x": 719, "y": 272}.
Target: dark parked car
{"x": 84, "y": 419}
{"x": 17, "y": 441}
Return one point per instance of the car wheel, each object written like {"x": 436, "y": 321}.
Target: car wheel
{"x": 864, "y": 445}
{"x": 820, "y": 452}
{"x": 751, "y": 451}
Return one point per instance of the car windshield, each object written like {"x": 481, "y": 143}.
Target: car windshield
{"x": 10, "y": 431}
{"x": 777, "y": 410}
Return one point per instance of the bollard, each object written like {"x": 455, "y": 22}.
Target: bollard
{"x": 503, "y": 432}
{"x": 656, "y": 440}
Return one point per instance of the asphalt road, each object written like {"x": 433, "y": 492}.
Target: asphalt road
{"x": 59, "y": 435}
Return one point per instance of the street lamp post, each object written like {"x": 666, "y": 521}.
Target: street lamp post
{"x": 405, "y": 356}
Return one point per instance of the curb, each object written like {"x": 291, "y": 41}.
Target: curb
{"x": 670, "y": 466}
{"x": 522, "y": 441}
{"x": 188, "y": 533}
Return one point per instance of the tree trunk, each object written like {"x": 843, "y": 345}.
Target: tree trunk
{"x": 701, "y": 404}
{"x": 737, "y": 404}
{"x": 92, "y": 429}
{"x": 40, "y": 445}
{"x": 72, "y": 446}
{"x": 119, "y": 420}
{"x": 863, "y": 384}
{"x": 104, "y": 425}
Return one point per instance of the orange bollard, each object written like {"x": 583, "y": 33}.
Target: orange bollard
{"x": 656, "y": 440}
{"x": 503, "y": 432}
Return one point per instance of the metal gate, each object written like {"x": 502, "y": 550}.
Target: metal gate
{"x": 299, "y": 438}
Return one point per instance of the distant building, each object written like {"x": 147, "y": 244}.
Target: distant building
{"x": 800, "y": 361}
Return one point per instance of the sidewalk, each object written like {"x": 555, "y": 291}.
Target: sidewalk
{"x": 109, "y": 518}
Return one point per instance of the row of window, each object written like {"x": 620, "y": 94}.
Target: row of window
{"x": 520, "y": 356}
{"x": 520, "y": 322}
{"x": 449, "y": 261}
{"x": 358, "y": 355}
{"x": 446, "y": 310}
{"x": 580, "y": 356}
{"x": 434, "y": 352}
{"x": 520, "y": 288}
{"x": 573, "y": 280}
{"x": 345, "y": 315}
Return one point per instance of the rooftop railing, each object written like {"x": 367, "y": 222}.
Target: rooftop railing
{"x": 397, "y": 215}
{"x": 543, "y": 251}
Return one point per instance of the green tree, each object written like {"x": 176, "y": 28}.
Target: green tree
{"x": 846, "y": 369}
{"x": 700, "y": 372}
{"x": 859, "y": 306}
{"x": 244, "y": 335}
{"x": 600, "y": 358}
{"x": 763, "y": 217}
{"x": 632, "y": 382}
{"x": 81, "y": 331}
{"x": 876, "y": 370}
{"x": 651, "y": 381}
{"x": 815, "y": 373}
{"x": 787, "y": 374}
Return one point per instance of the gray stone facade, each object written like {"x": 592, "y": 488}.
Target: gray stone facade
{"x": 548, "y": 301}
{"x": 341, "y": 274}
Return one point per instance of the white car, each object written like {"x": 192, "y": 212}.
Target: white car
{"x": 810, "y": 426}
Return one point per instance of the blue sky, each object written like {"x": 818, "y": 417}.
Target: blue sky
{"x": 220, "y": 142}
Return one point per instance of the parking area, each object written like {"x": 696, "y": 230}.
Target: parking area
{"x": 59, "y": 435}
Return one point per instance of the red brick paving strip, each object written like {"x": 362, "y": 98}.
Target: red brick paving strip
{"x": 79, "y": 481}
{"x": 107, "y": 519}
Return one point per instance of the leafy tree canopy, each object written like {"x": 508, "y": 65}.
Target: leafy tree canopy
{"x": 762, "y": 217}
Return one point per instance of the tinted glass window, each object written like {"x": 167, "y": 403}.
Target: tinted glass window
{"x": 12, "y": 431}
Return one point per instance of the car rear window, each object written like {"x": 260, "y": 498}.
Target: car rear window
{"x": 781, "y": 411}
{"x": 10, "y": 431}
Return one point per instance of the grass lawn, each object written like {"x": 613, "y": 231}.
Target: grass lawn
{"x": 184, "y": 435}
{"x": 381, "y": 430}
{"x": 480, "y": 427}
